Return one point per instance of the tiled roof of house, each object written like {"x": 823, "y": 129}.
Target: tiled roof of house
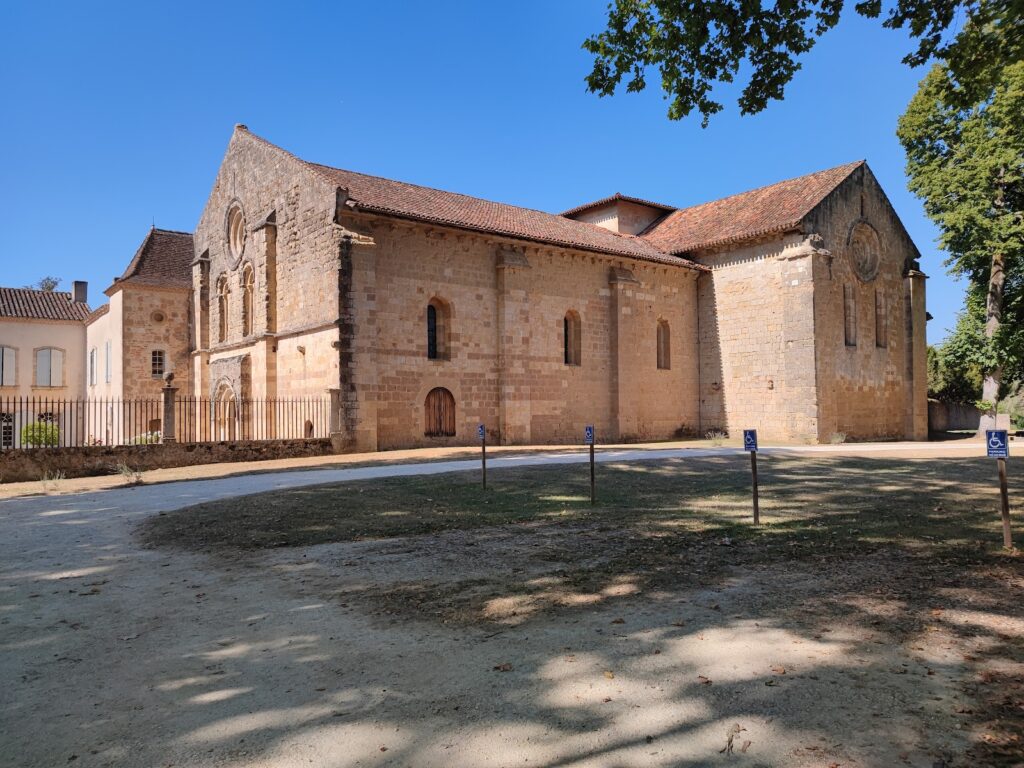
{"x": 29, "y": 303}
{"x": 396, "y": 198}
{"x": 164, "y": 259}
{"x": 614, "y": 198}
{"x": 97, "y": 313}
{"x": 775, "y": 208}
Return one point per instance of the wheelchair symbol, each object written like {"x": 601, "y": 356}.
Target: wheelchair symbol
{"x": 750, "y": 439}
{"x": 998, "y": 444}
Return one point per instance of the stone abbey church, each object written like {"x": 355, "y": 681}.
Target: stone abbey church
{"x": 797, "y": 309}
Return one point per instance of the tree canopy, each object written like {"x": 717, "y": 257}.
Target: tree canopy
{"x": 47, "y": 283}
{"x": 697, "y": 45}
{"x": 966, "y": 162}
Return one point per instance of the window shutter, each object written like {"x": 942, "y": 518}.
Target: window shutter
{"x": 7, "y": 364}
{"x": 56, "y": 368}
{"x": 43, "y": 368}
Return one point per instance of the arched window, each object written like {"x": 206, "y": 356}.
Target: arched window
{"x": 664, "y": 346}
{"x": 236, "y": 231}
{"x": 222, "y": 308}
{"x": 248, "y": 285}
{"x": 572, "y": 338}
{"x": 438, "y": 322}
{"x": 439, "y": 413}
{"x": 49, "y": 367}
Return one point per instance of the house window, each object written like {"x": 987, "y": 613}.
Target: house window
{"x": 8, "y": 373}
{"x": 49, "y": 367}
{"x": 222, "y": 308}
{"x": 850, "y": 315}
{"x": 158, "y": 364}
{"x": 438, "y": 321}
{"x": 248, "y": 284}
{"x": 881, "y": 321}
{"x": 664, "y": 346}
{"x": 92, "y": 367}
{"x": 6, "y": 430}
{"x": 571, "y": 338}
{"x": 439, "y": 413}
{"x": 107, "y": 362}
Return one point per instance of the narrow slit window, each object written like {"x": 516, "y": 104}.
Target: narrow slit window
{"x": 664, "y": 346}
{"x": 850, "y": 315}
{"x": 881, "y": 321}
{"x": 572, "y": 337}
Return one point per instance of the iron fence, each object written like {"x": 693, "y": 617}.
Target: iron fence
{"x": 35, "y": 422}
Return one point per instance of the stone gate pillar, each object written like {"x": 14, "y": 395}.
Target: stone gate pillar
{"x": 167, "y": 423}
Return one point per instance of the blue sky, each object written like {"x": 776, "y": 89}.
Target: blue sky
{"x": 116, "y": 116}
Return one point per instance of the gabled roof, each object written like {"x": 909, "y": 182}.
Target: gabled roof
{"x": 31, "y": 304}
{"x": 164, "y": 259}
{"x": 776, "y": 208}
{"x": 374, "y": 194}
{"x": 613, "y": 199}
{"x": 397, "y": 198}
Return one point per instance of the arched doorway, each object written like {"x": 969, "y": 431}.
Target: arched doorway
{"x": 439, "y": 413}
{"x": 225, "y": 413}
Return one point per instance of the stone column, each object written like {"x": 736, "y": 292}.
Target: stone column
{"x": 802, "y": 264}
{"x": 357, "y": 341}
{"x": 916, "y": 426}
{"x": 167, "y": 424}
{"x": 514, "y": 409}
{"x": 621, "y": 332}
{"x": 334, "y": 425}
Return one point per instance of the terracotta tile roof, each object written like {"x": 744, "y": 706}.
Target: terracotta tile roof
{"x": 396, "y": 198}
{"x": 775, "y": 208}
{"x": 613, "y": 198}
{"x": 164, "y": 259}
{"x": 97, "y": 313}
{"x": 41, "y": 305}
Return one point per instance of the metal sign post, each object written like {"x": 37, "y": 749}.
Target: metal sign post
{"x": 750, "y": 444}
{"x": 998, "y": 444}
{"x": 588, "y": 438}
{"x": 482, "y": 434}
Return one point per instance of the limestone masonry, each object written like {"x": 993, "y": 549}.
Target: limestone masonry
{"x": 797, "y": 309}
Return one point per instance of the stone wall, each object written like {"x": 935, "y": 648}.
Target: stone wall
{"x": 505, "y": 357}
{"x": 28, "y": 465}
{"x": 144, "y": 331}
{"x": 868, "y": 388}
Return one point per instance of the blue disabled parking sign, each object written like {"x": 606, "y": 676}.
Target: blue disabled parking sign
{"x": 750, "y": 439}
{"x": 588, "y": 435}
{"x": 480, "y": 431}
{"x": 998, "y": 444}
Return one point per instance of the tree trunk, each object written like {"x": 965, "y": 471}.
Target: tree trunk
{"x": 993, "y": 318}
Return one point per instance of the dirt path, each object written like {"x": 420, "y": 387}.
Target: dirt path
{"x": 117, "y": 656}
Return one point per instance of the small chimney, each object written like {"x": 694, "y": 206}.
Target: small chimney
{"x": 80, "y": 291}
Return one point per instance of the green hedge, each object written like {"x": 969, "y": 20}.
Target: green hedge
{"x": 41, "y": 434}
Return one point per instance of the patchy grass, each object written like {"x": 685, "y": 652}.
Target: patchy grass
{"x": 807, "y": 504}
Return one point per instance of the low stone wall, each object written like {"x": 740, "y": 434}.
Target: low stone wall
{"x": 947, "y": 417}
{"x": 32, "y": 464}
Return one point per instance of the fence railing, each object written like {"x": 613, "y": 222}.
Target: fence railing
{"x": 31, "y": 422}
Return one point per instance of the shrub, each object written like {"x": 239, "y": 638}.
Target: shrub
{"x": 147, "y": 438}
{"x": 40, "y": 434}
{"x": 837, "y": 438}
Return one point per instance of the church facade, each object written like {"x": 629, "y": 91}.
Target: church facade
{"x": 797, "y": 309}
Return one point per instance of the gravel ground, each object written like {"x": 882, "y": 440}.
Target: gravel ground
{"x": 115, "y": 655}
